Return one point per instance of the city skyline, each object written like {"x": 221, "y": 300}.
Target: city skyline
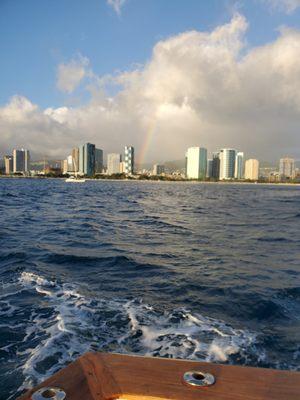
{"x": 166, "y": 158}
{"x": 227, "y": 164}
{"x": 222, "y": 74}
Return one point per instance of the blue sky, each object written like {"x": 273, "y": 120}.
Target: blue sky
{"x": 37, "y": 35}
{"x": 161, "y": 75}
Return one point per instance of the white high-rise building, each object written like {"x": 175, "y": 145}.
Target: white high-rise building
{"x": 65, "y": 166}
{"x": 287, "y": 167}
{"x": 227, "y": 163}
{"x": 113, "y": 163}
{"x": 196, "y": 163}
{"x": 129, "y": 160}
{"x": 239, "y": 165}
{"x": 252, "y": 169}
{"x": 122, "y": 167}
{"x": 75, "y": 159}
{"x": 70, "y": 164}
{"x": 26, "y": 161}
{"x": 8, "y": 163}
{"x": 81, "y": 160}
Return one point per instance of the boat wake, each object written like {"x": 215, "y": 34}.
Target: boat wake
{"x": 55, "y": 323}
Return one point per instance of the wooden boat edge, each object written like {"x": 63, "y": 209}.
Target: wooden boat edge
{"x": 106, "y": 376}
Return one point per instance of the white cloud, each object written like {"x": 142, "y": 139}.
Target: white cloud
{"x": 69, "y": 75}
{"x": 23, "y": 124}
{"x": 198, "y": 88}
{"x": 287, "y": 6}
{"x": 116, "y": 5}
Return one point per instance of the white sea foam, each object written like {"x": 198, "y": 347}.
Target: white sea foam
{"x": 29, "y": 278}
{"x": 191, "y": 336}
{"x": 63, "y": 324}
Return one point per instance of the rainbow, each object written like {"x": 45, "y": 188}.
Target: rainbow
{"x": 147, "y": 141}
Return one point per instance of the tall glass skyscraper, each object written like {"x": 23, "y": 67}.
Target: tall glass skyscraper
{"x": 87, "y": 159}
{"x": 209, "y": 168}
{"x": 239, "y": 165}
{"x": 98, "y": 160}
{"x": 196, "y": 163}
{"x": 18, "y": 160}
{"x": 129, "y": 160}
{"x": 21, "y": 161}
{"x": 227, "y": 163}
{"x": 216, "y": 165}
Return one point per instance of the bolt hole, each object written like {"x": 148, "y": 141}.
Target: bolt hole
{"x": 49, "y": 394}
{"x": 198, "y": 376}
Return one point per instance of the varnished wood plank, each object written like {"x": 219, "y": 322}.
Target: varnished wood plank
{"x": 102, "y": 376}
{"x": 71, "y": 379}
{"x": 99, "y": 377}
{"x": 163, "y": 378}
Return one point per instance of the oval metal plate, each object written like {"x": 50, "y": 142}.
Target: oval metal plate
{"x": 198, "y": 378}
{"x": 50, "y": 393}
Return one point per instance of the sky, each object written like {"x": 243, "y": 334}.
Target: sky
{"x": 161, "y": 75}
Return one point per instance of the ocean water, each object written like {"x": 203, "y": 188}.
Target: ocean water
{"x": 184, "y": 270}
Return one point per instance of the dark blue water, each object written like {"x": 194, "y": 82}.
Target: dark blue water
{"x": 199, "y": 271}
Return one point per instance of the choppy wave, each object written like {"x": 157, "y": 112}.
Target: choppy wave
{"x": 143, "y": 268}
{"x": 62, "y": 323}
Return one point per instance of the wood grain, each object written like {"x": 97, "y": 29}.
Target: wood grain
{"x": 101, "y": 376}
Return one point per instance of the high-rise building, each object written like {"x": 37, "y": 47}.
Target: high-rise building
{"x": 65, "y": 167}
{"x": 196, "y": 163}
{"x": 26, "y": 161}
{"x": 70, "y": 164}
{"x": 122, "y": 167}
{"x": 75, "y": 159}
{"x": 98, "y": 161}
{"x": 2, "y": 165}
{"x": 21, "y": 161}
{"x": 158, "y": 169}
{"x": 129, "y": 160}
{"x": 81, "y": 160}
{"x": 18, "y": 161}
{"x": 239, "y": 165}
{"x": 287, "y": 168}
{"x": 216, "y": 165}
{"x": 252, "y": 169}
{"x": 113, "y": 163}
{"x": 209, "y": 168}
{"x": 227, "y": 164}
{"x": 8, "y": 164}
{"x": 87, "y": 159}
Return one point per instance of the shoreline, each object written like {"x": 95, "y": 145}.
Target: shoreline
{"x": 159, "y": 181}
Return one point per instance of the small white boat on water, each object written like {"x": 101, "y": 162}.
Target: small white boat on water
{"x": 75, "y": 179}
